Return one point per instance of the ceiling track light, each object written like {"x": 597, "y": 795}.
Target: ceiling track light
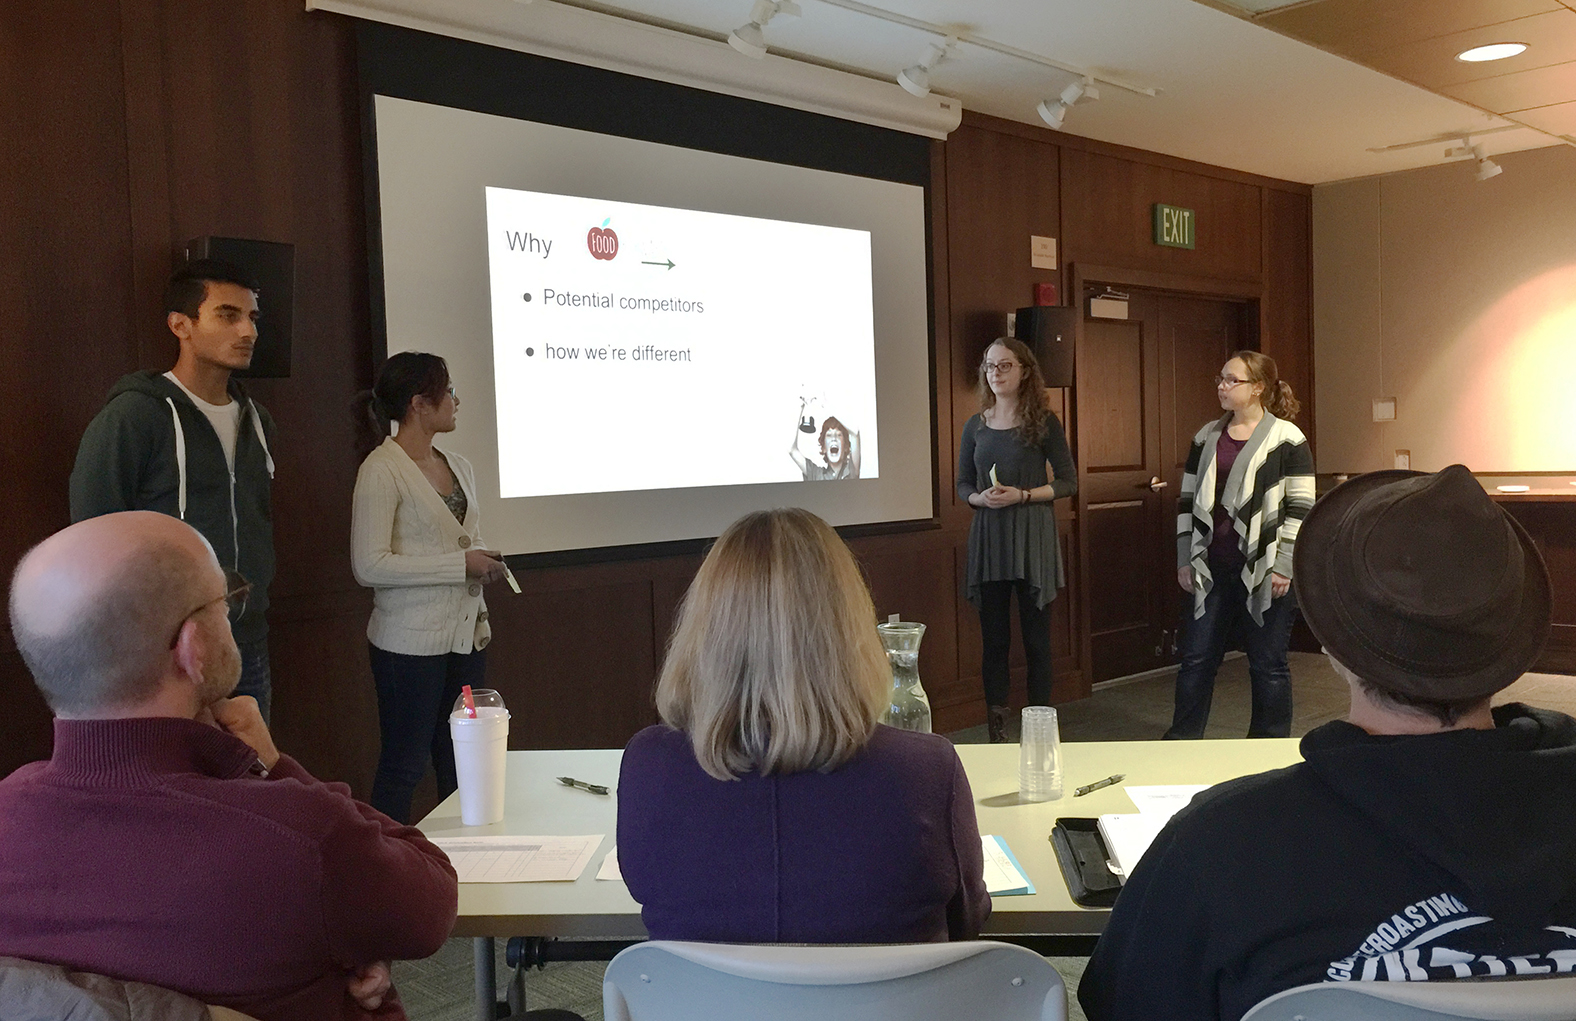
{"x": 1054, "y": 112}
{"x": 915, "y": 78}
{"x": 1486, "y": 168}
{"x": 932, "y": 28}
{"x": 748, "y": 38}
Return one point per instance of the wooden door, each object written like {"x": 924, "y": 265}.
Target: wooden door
{"x": 1145, "y": 385}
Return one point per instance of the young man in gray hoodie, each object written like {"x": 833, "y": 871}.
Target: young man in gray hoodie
{"x": 190, "y": 443}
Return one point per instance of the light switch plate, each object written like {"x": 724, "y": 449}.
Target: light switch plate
{"x": 1403, "y": 460}
{"x": 1384, "y": 409}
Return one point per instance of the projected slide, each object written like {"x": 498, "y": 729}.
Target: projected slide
{"x": 640, "y": 347}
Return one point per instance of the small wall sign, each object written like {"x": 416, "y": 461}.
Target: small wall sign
{"x": 1174, "y": 226}
{"x": 1042, "y": 252}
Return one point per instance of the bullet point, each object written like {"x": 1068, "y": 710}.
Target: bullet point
{"x": 530, "y": 351}
{"x": 527, "y": 295}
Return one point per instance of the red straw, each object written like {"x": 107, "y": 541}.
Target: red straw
{"x": 470, "y": 702}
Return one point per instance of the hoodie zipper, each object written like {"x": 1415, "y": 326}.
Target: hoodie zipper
{"x": 235, "y": 520}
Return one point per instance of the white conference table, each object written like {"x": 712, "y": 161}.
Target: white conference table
{"x": 588, "y": 908}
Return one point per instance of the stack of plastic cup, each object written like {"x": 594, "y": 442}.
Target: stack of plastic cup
{"x": 1039, "y": 755}
{"x": 481, "y": 747}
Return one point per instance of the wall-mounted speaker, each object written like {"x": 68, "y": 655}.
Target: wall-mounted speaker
{"x": 272, "y": 265}
{"x": 1049, "y": 332}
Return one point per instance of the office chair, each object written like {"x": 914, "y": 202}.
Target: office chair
{"x": 670, "y": 981}
{"x": 33, "y": 989}
{"x": 1499, "y": 999}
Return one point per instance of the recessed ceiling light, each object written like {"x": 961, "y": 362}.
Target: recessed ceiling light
{"x": 1493, "y": 51}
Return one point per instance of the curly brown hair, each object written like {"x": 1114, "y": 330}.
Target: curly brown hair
{"x": 1032, "y": 405}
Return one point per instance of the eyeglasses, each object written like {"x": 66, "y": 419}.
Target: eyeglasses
{"x": 452, "y": 392}
{"x": 236, "y": 591}
{"x": 1229, "y": 381}
{"x": 997, "y": 368}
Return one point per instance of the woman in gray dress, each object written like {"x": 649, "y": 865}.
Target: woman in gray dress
{"x": 1013, "y": 545}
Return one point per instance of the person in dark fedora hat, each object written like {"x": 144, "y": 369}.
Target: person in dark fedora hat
{"x": 1422, "y": 590}
{"x": 1429, "y": 835}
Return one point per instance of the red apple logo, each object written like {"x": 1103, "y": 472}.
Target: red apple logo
{"x": 602, "y": 242}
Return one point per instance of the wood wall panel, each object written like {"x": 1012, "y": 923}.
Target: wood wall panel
{"x": 180, "y": 118}
{"x": 1108, "y": 205}
{"x": 64, "y": 285}
{"x": 1286, "y": 313}
{"x": 576, "y": 668}
{"x": 922, "y": 586}
{"x": 1552, "y": 526}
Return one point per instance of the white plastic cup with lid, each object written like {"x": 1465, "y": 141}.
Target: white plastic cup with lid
{"x": 481, "y": 755}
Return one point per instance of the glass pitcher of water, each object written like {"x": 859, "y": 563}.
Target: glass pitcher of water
{"x": 909, "y": 708}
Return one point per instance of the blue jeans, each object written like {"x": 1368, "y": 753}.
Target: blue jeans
{"x": 415, "y": 696}
{"x": 256, "y": 675}
{"x": 1204, "y": 644}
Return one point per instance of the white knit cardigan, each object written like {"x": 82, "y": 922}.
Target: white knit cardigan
{"x": 1269, "y": 491}
{"x": 407, "y": 547}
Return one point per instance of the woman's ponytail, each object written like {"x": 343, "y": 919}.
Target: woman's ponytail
{"x": 1277, "y": 397}
{"x": 1283, "y": 404}
{"x": 371, "y": 424}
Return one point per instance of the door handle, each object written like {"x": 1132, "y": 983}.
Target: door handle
{"x": 1156, "y": 484}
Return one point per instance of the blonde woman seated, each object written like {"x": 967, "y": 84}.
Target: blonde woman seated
{"x": 770, "y": 806}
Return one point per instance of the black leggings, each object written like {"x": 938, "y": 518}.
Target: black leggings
{"x": 996, "y": 632}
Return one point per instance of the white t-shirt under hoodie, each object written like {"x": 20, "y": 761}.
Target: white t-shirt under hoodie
{"x": 226, "y": 419}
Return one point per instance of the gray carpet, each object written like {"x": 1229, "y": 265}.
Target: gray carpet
{"x": 439, "y": 988}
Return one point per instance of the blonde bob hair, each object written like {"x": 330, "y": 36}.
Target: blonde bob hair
{"x": 774, "y": 664}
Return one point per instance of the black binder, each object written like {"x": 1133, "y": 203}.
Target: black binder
{"x": 1082, "y": 854}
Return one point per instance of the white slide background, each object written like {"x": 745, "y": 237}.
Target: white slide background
{"x": 434, "y": 167}
{"x": 701, "y": 283}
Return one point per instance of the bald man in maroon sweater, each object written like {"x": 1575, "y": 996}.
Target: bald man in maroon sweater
{"x": 167, "y": 840}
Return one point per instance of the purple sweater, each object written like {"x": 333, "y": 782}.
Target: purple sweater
{"x": 884, "y": 849}
{"x": 147, "y": 850}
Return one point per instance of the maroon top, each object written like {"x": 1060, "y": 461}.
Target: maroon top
{"x": 150, "y": 850}
{"x": 1225, "y": 545}
{"x": 884, "y": 849}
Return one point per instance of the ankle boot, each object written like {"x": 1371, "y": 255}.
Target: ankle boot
{"x": 996, "y": 723}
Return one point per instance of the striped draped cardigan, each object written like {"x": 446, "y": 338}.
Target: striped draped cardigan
{"x": 1269, "y": 491}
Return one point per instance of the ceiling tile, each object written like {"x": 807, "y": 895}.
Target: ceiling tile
{"x": 1559, "y": 119}
{"x": 1432, "y": 63}
{"x": 1356, "y": 27}
{"x": 1541, "y": 86}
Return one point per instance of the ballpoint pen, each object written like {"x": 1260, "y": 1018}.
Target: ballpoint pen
{"x": 1108, "y": 781}
{"x": 569, "y": 781}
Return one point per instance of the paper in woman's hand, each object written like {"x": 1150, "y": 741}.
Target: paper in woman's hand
{"x": 994, "y": 482}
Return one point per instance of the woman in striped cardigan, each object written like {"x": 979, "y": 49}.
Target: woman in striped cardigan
{"x": 1248, "y": 485}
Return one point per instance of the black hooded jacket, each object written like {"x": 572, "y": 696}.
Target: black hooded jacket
{"x": 1378, "y": 858}
{"x": 130, "y": 458}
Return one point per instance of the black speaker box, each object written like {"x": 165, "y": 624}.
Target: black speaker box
{"x": 272, "y": 266}
{"x": 1049, "y": 331}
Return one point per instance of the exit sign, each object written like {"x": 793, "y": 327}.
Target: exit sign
{"x": 1174, "y": 226}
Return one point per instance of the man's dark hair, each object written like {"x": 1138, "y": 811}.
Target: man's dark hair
{"x": 1447, "y": 711}
{"x": 188, "y": 285}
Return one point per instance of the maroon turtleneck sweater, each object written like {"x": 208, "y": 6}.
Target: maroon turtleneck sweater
{"x": 153, "y": 850}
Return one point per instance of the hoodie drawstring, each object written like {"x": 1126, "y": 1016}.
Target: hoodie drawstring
{"x": 257, "y": 424}
{"x": 180, "y": 454}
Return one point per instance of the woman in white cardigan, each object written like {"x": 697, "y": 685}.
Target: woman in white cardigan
{"x": 415, "y": 541}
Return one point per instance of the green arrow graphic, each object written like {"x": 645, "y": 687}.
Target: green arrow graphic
{"x": 668, "y": 263}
